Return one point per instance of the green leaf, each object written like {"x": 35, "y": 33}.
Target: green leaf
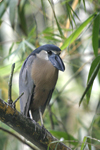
{"x": 89, "y": 141}
{"x": 6, "y": 70}
{"x": 64, "y": 135}
{"x": 21, "y": 13}
{"x": 12, "y": 7}
{"x": 84, "y": 143}
{"x": 95, "y": 34}
{"x": 10, "y": 49}
{"x": 15, "y": 52}
{"x": 60, "y": 30}
{"x": 77, "y": 32}
{"x": 3, "y": 6}
{"x": 43, "y": 9}
{"x": 0, "y": 22}
{"x": 95, "y": 66}
{"x": 29, "y": 45}
{"x": 84, "y": 5}
{"x": 49, "y": 32}
{"x": 52, "y": 38}
{"x": 31, "y": 33}
{"x": 70, "y": 13}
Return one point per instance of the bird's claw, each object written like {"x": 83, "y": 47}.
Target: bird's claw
{"x": 43, "y": 131}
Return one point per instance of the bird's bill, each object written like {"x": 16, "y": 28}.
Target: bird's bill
{"x": 57, "y": 62}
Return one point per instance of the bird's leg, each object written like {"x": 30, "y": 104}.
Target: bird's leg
{"x": 31, "y": 117}
{"x": 40, "y": 113}
{"x": 42, "y": 125}
{"x": 30, "y": 114}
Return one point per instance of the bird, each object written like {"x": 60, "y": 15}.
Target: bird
{"x": 37, "y": 80}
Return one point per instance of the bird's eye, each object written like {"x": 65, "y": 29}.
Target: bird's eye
{"x": 49, "y": 52}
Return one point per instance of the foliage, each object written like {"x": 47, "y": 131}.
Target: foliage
{"x": 27, "y": 24}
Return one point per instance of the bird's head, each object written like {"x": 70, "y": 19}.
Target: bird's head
{"x": 51, "y": 52}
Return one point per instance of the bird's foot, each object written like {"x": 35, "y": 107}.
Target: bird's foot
{"x": 43, "y": 131}
{"x": 35, "y": 124}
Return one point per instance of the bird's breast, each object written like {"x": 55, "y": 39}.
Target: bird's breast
{"x": 44, "y": 74}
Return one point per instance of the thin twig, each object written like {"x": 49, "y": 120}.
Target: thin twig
{"x": 13, "y": 104}
{"x": 20, "y": 139}
{"x": 10, "y": 84}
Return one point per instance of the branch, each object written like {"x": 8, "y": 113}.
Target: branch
{"x": 29, "y": 129}
{"x": 10, "y": 85}
{"x": 14, "y": 103}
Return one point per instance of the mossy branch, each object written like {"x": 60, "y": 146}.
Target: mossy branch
{"x": 29, "y": 129}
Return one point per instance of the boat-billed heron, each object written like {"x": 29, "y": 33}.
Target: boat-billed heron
{"x": 37, "y": 80}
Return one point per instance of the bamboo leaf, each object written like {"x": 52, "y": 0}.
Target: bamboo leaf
{"x": 77, "y": 32}
{"x": 15, "y": 52}
{"x": 3, "y": 6}
{"x": 10, "y": 49}
{"x": 12, "y": 7}
{"x": 60, "y": 30}
{"x": 29, "y": 45}
{"x": 84, "y": 143}
{"x": 70, "y": 11}
{"x": 43, "y": 8}
{"x": 89, "y": 141}
{"x": 66, "y": 136}
{"x": 0, "y": 22}
{"x": 21, "y": 13}
{"x": 95, "y": 66}
{"x": 95, "y": 34}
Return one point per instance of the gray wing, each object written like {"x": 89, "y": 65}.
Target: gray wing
{"x": 35, "y": 114}
{"x": 26, "y": 85}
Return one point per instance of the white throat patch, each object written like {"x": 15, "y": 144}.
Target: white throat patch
{"x": 43, "y": 54}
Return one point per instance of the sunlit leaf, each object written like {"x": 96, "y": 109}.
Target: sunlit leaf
{"x": 83, "y": 143}
{"x": 6, "y": 69}
{"x": 52, "y": 38}
{"x": 95, "y": 34}
{"x": 77, "y": 32}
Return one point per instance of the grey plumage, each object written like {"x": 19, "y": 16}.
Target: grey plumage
{"x": 37, "y": 79}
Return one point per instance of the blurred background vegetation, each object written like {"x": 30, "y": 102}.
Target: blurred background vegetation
{"x": 74, "y": 26}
